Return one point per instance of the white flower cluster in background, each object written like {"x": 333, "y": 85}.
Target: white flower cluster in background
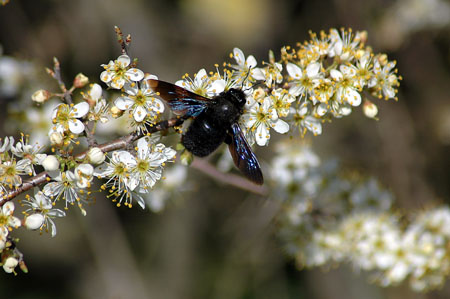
{"x": 329, "y": 218}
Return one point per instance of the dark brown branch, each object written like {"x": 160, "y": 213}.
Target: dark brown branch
{"x": 228, "y": 178}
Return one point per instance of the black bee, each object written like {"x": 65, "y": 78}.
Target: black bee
{"x": 215, "y": 120}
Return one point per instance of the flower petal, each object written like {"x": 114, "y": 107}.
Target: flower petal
{"x": 281, "y": 126}
{"x": 123, "y": 103}
{"x": 76, "y": 126}
{"x": 105, "y": 76}
{"x": 139, "y": 113}
{"x": 124, "y": 60}
{"x": 239, "y": 56}
{"x": 80, "y": 109}
{"x": 353, "y": 97}
{"x": 134, "y": 74}
{"x": 262, "y": 135}
{"x": 313, "y": 69}
{"x": 294, "y": 70}
{"x": 95, "y": 92}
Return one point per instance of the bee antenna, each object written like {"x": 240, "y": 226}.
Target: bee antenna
{"x": 246, "y": 77}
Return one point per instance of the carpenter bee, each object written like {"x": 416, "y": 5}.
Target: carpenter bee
{"x": 215, "y": 120}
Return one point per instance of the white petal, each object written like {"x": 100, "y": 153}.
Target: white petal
{"x": 294, "y": 70}
{"x": 199, "y": 77}
{"x": 105, "y": 76}
{"x": 135, "y": 74}
{"x": 95, "y": 92}
{"x": 157, "y": 106}
{"x": 336, "y": 75}
{"x": 80, "y": 109}
{"x": 34, "y": 221}
{"x": 76, "y": 126}
{"x": 131, "y": 88}
{"x": 388, "y": 91}
{"x": 313, "y": 69}
{"x": 14, "y": 222}
{"x": 139, "y": 113}
{"x": 353, "y": 97}
{"x": 251, "y": 61}
{"x": 143, "y": 147}
{"x": 132, "y": 183}
{"x": 56, "y": 213}
{"x": 124, "y": 60}
{"x": 8, "y": 208}
{"x": 262, "y": 135}
{"x": 347, "y": 70}
{"x": 123, "y": 103}
{"x": 281, "y": 126}
{"x": 102, "y": 171}
{"x": 217, "y": 86}
{"x": 258, "y": 74}
{"x": 313, "y": 124}
{"x": 117, "y": 83}
{"x": 239, "y": 56}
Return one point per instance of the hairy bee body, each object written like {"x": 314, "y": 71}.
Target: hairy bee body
{"x": 211, "y": 127}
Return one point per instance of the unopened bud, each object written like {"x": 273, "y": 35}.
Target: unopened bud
{"x": 370, "y": 109}
{"x": 186, "y": 158}
{"x": 41, "y": 96}
{"x": 23, "y": 267}
{"x": 9, "y": 264}
{"x": 96, "y": 155}
{"x": 34, "y": 221}
{"x": 116, "y": 112}
{"x": 50, "y": 163}
{"x": 80, "y": 81}
{"x": 56, "y": 139}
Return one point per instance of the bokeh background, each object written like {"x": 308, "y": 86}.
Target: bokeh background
{"x": 216, "y": 241}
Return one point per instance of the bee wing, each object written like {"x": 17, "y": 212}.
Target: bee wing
{"x": 180, "y": 100}
{"x": 243, "y": 156}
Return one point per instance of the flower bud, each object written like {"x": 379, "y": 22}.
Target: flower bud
{"x": 41, "y": 96}
{"x": 116, "y": 112}
{"x": 96, "y": 155}
{"x": 50, "y": 163}
{"x": 34, "y": 221}
{"x": 56, "y": 139}
{"x": 370, "y": 109}
{"x": 80, "y": 81}
{"x": 9, "y": 264}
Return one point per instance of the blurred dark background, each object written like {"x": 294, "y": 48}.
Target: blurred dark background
{"x": 217, "y": 241}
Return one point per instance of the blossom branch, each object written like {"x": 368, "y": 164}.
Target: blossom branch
{"x": 56, "y": 74}
{"x": 116, "y": 144}
{"x": 231, "y": 179}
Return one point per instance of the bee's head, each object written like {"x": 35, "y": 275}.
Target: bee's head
{"x": 237, "y": 96}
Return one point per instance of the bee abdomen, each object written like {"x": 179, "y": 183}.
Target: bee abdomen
{"x": 203, "y": 137}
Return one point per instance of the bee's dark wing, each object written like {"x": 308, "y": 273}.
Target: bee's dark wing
{"x": 181, "y": 101}
{"x": 243, "y": 156}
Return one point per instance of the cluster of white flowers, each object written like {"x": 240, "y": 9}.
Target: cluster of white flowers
{"x": 327, "y": 218}
{"x": 129, "y": 176}
{"x": 130, "y": 173}
{"x": 325, "y": 78}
